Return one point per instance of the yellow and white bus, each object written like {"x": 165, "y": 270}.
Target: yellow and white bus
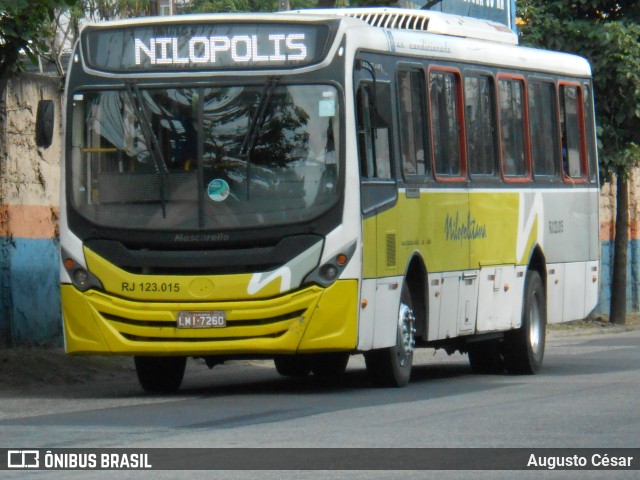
{"x": 309, "y": 185}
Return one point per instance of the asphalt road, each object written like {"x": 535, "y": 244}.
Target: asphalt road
{"x": 586, "y": 396}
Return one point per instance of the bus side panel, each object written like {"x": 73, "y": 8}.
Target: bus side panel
{"x": 388, "y": 291}
{"x": 593, "y": 287}
{"x": 572, "y": 290}
{"x": 382, "y": 282}
{"x": 570, "y": 217}
{"x": 366, "y": 323}
{"x": 496, "y": 300}
{"x": 555, "y": 292}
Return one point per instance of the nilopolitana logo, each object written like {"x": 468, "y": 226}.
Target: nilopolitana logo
{"x": 463, "y": 229}
{"x": 23, "y": 459}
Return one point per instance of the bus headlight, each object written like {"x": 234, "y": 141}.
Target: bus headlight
{"x": 330, "y": 271}
{"x": 82, "y": 279}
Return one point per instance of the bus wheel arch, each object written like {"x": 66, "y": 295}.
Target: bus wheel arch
{"x": 391, "y": 367}
{"x": 524, "y": 347}
{"x": 538, "y": 262}
{"x": 416, "y": 279}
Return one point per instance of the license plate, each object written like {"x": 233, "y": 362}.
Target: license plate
{"x": 211, "y": 319}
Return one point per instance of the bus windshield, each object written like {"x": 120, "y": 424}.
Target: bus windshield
{"x": 205, "y": 157}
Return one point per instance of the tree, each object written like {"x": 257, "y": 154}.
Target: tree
{"x": 212, "y": 6}
{"x": 25, "y": 26}
{"x": 373, "y": 3}
{"x": 608, "y": 35}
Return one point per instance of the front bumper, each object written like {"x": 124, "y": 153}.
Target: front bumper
{"x": 313, "y": 319}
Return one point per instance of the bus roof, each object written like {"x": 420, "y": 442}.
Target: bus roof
{"x": 425, "y": 33}
{"x": 425, "y": 21}
{"x": 419, "y": 33}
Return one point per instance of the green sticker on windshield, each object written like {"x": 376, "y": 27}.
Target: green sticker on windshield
{"x": 218, "y": 190}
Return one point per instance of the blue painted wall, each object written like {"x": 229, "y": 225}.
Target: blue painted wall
{"x": 30, "y": 300}
{"x": 633, "y": 276}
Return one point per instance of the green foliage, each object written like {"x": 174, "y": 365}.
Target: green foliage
{"x": 373, "y": 3}
{"x": 25, "y": 25}
{"x": 214, "y": 6}
{"x": 112, "y": 9}
{"x": 608, "y": 35}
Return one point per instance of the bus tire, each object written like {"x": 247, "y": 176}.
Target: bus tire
{"x": 295, "y": 366}
{"x": 486, "y": 358}
{"x": 160, "y": 374}
{"x": 329, "y": 365}
{"x": 524, "y": 347}
{"x": 391, "y": 367}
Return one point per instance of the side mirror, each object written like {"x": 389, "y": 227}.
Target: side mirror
{"x": 45, "y": 119}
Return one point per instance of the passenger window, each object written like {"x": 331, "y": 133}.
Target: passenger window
{"x": 543, "y": 118}
{"x": 572, "y": 128}
{"x": 374, "y": 146}
{"x": 411, "y": 94}
{"x": 446, "y": 132}
{"x": 480, "y": 116}
{"x": 513, "y": 135}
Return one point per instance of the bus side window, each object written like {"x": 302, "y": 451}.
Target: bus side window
{"x": 543, "y": 118}
{"x": 365, "y": 134}
{"x": 446, "y": 132}
{"x": 374, "y": 146}
{"x": 411, "y": 101}
{"x": 513, "y": 133}
{"x": 480, "y": 115}
{"x": 572, "y": 128}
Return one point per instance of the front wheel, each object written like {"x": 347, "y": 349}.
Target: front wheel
{"x": 391, "y": 367}
{"x": 296, "y": 366}
{"x": 524, "y": 348}
{"x": 160, "y": 374}
{"x": 329, "y": 365}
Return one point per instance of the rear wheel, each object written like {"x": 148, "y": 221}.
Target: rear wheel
{"x": 486, "y": 357}
{"x": 160, "y": 374}
{"x": 391, "y": 367}
{"x": 292, "y": 366}
{"x": 524, "y": 348}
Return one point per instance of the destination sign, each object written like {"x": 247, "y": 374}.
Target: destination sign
{"x": 171, "y": 47}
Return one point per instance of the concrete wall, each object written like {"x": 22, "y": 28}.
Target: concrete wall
{"x": 29, "y": 199}
{"x": 607, "y": 236}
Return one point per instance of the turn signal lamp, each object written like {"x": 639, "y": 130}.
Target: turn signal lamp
{"x": 342, "y": 259}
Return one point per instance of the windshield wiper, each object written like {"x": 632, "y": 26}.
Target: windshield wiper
{"x": 255, "y": 124}
{"x": 140, "y": 109}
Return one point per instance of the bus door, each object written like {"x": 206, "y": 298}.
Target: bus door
{"x": 379, "y": 193}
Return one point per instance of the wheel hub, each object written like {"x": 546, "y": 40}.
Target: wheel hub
{"x": 406, "y": 332}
